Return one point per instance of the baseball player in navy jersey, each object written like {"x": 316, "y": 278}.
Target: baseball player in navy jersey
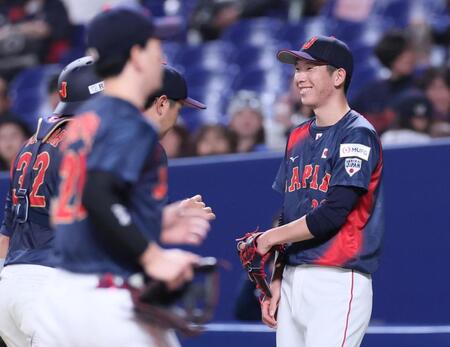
{"x": 26, "y": 233}
{"x": 330, "y": 180}
{"x": 163, "y": 108}
{"x": 108, "y": 213}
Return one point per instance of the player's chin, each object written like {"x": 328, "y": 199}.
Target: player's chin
{"x": 307, "y": 100}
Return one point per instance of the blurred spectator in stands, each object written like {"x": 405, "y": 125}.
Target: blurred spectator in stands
{"x": 13, "y": 134}
{"x": 52, "y": 100}
{"x": 413, "y": 116}
{"x": 310, "y": 8}
{"x": 82, "y": 11}
{"x": 214, "y": 139}
{"x": 396, "y": 53}
{"x": 435, "y": 83}
{"x": 176, "y": 142}
{"x": 352, "y": 10}
{"x": 289, "y": 112}
{"x": 246, "y": 121}
{"x": 4, "y": 100}
{"x": 212, "y": 17}
{"x": 31, "y": 32}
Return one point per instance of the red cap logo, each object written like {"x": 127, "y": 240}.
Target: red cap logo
{"x": 310, "y": 42}
{"x": 63, "y": 91}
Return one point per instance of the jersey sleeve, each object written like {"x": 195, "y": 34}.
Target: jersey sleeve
{"x": 280, "y": 179}
{"x": 122, "y": 152}
{"x": 6, "y": 227}
{"x": 356, "y": 159}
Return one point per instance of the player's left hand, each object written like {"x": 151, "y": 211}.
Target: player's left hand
{"x": 195, "y": 202}
{"x": 269, "y": 306}
{"x": 186, "y": 222}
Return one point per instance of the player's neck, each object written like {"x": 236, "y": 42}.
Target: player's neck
{"x": 119, "y": 88}
{"x": 331, "y": 111}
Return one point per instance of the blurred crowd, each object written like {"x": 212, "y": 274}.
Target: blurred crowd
{"x": 407, "y": 100}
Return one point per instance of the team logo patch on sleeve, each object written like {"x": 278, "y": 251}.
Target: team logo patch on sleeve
{"x": 352, "y": 165}
{"x": 354, "y": 150}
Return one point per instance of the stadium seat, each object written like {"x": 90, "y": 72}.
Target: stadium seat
{"x": 211, "y": 56}
{"x": 250, "y": 57}
{"x": 398, "y": 11}
{"x": 261, "y": 80}
{"x": 203, "y": 79}
{"x": 295, "y": 34}
{"x": 256, "y": 31}
{"x": 216, "y": 103}
{"x": 29, "y": 89}
{"x": 364, "y": 73}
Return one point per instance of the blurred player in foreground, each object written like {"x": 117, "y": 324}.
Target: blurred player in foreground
{"x": 108, "y": 215}
{"x": 26, "y": 235}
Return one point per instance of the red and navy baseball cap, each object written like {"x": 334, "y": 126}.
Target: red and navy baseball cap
{"x": 112, "y": 33}
{"x": 175, "y": 88}
{"x": 322, "y": 49}
{"x": 77, "y": 83}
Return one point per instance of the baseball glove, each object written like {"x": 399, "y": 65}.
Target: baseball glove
{"x": 253, "y": 262}
{"x": 185, "y": 309}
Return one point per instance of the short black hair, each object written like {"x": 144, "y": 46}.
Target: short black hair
{"x": 113, "y": 66}
{"x": 432, "y": 73}
{"x": 21, "y": 125}
{"x": 391, "y": 45}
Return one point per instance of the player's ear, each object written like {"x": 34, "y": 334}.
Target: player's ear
{"x": 135, "y": 56}
{"x": 162, "y": 105}
{"x": 339, "y": 77}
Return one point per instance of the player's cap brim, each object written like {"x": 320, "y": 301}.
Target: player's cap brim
{"x": 67, "y": 108}
{"x": 291, "y": 57}
{"x": 189, "y": 102}
{"x": 166, "y": 27}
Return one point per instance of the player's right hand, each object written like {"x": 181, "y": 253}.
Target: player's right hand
{"x": 174, "y": 267}
{"x": 269, "y": 306}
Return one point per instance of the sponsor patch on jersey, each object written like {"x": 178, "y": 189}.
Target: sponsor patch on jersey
{"x": 354, "y": 150}
{"x": 96, "y": 88}
{"x": 352, "y": 165}
{"x": 318, "y": 136}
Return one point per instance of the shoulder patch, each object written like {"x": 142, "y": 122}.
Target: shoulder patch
{"x": 352, "y": 165}
{"x": 354, "y": 150}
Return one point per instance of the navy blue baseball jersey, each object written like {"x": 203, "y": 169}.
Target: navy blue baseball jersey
{"x": 30, "y": 233}
{"x": 110, "y": 135}
{"x": 348, "y": 153}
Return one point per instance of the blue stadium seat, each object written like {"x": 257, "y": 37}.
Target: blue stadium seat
{"x": 249, "y": 57}
{"x": 255, "y": 31}
{"x": 364, "y": 73}
{"x": 77, "y": 45}
{"x": 261, "y": 80}
{"x": 211, "y": 56}
{"x": 216, "y": 103}
{"x": 396, "y": 10}
{"x": 298, "y": 33}
{"x": 203, "y": 79}
{"x": 359, "y": 33}
{"x": 171, "y": 50}
{"x": 29, "y": 89}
